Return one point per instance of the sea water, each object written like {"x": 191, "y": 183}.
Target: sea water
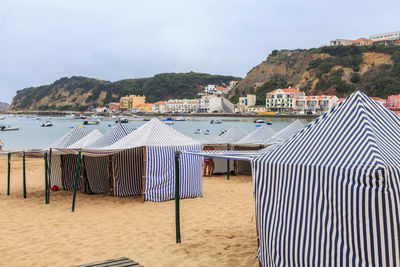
{"x": 31, "y": 135}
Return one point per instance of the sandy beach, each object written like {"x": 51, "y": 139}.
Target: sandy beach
{"x": 217, "y": 229}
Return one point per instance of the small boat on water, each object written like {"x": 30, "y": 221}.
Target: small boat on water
{"x": 206, "y": 132}
{"x": 91, "y": 122}
{"x": 37, "y": 118}
{"x": 46, "y": 124}
{"x": 169, "y": 121}
{"x": 122, "y": 120}
{"x": 2, "y": 118}
{"x": 81, "y": 116}
{"x": 179, "y": 119}
{"x": 9, "y": 128}
{"x": 189, "y": 118}
{"x": 197, "y": 131}
{"x": 259, "y": 121}
{"x": 146, "y": 119}
{"x": 215, "y": 122}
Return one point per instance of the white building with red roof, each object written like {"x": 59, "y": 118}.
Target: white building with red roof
{"x": 314, "y": 104}
{"x": 159, "y": 107}
{"x": 282, "y": 99}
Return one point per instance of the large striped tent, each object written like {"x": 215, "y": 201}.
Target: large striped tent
{"x": 89, "y": 139}
{"x": 58, "y": 160}
{"x": 285, "y": 133}
{"x": 97, "y": 167}
{"x": 330, "y": 195}
{"x": 159, "y": 142}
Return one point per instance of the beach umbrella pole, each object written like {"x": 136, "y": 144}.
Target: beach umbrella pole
{"x": 76, "y": 180}
{"x": 46, "y": 187}
{"x": 8, "y": 173}
{"x": 23, "y": 174}
{"x": 177, "y": 215}
{"x": 228, "y": 164}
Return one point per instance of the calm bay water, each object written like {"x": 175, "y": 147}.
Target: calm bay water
{"x": 32, "y": 135}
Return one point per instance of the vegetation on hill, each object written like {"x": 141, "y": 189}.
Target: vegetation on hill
{"x": 81, "y": 93}
{"x": 336, "y": 70}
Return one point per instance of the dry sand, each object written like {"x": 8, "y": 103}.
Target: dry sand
{"x": 217, "y": 229}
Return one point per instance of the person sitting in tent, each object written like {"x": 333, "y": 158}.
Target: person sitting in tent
{"x": 208, "y": 162}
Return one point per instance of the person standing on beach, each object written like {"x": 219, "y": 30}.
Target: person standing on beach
{"x": 1, "y": 146}
{"x": 208, "y": 161}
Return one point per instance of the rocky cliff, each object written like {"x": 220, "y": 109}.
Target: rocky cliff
{"x": 327, "y": 70}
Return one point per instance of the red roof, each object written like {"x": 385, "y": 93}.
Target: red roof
{"x": 160, "y": 103}
{"x": 288, "y": 90}
{"x": 220, "y": 88}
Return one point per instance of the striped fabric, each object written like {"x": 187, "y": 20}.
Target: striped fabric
{"x": 68, "y": 173}
{"x": 56, "y": 172}
{"x": 128, "y": 172}
{"x": 228, "y": 154}
{"x": 69, "y": 138}
{"x": 330, "y": 195}
{"x": 97, "y": 174}
{"x": 257, "y": 137}
{"x": 161, "y": 142}
{"x": 89, "y": 139}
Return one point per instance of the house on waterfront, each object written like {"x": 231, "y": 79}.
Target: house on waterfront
{"x": 113, "y": 107}
{"x": 128, "y": 102}
{"x": 245, "y": 102}
{"x": 314, "y": 104}
{"x": 159, "y": 107}
{"x": 282, "y": 99}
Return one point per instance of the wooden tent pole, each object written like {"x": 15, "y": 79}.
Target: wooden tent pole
{"x": 46, "y": 187}
{"x": 177, "y": 215}
{"x": 144, "y": 174}
{"x": 23, "y": 174}
{"x": 8, "y": 173}
{"x": 228, "y": 164}
{"x": 76, "y": 180}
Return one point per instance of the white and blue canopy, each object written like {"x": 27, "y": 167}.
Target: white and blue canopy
{"x": 69, "y": 138}
{"x": 113, "y": 135}
{"x": 257, "y": 137}
{"x": 86, "y": 141}
{"x": 330, "y": 195}
{"x": 285, "y": 133}
{"x": 234, "y": 134}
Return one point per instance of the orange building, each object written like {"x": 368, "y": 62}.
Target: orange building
{"x": 128, "y": 102}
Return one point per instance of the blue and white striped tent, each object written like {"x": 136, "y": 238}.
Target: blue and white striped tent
{"x": 160, "y": 143}
{"x": 232, "y": 135}
{"x": 330, "y": 195}
{"x": 89, "y": 139}
{"x": 97, "y": 168}
{"x": 66, "y": 140}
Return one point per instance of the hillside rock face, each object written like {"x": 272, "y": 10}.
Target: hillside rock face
{"x": 82, "y": 93}
{"x": 333, "y": 70}
{"x": 3, "y": 106}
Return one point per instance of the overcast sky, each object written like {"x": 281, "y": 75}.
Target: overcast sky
{"x": 43, "y": 40}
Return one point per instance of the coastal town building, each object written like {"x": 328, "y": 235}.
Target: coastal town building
{"x": 222, "y": 90}
{"x": 145, "y": 107}
{"x": 129, "y": 102}
{"x": 210, "y": 89}
{"x": 101, "y": 110}
{"x": 207, "y": 103}
{"x": 391, "y": 38}
{"x": 259, "y": 109}
{"x": 245, "y": 102}
{"x": 232, "y": 84}
{"x": 282, "y": 99}
{"x": 314, "y": 104}
{"x": 393, "y": 102}
{"x": 183, "y": 105}
{"x": 381, "y": 101}
{"x": 113, "y": 107}
{"x": 159, "y": 107}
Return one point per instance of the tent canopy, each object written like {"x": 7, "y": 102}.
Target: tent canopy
{"x": 234, "y": 134}
{"x": 89, "y": 139}
{"x": 153, "y": 133}
{"x": 330, "y": 195}
{"x": 258, "y": 136}
{"x": 114, "y": 134}
{"x": 69, "y": 138}
{"x": 285, "y": 133}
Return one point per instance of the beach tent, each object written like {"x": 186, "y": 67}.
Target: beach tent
{"x": 285, "y": 133}
{"x": 252, "y": 141}
{"x": 231, "y": 136}
{"x": 58, "y": 159}
{"x": 330, "y": 195}
{"x": 89, "y": 139}
{"x": 96, "y": 168}
{"x": 159, "y": 142}
{"x": 257, "y": 137}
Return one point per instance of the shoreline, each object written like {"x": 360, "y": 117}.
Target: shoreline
{"x": 63, "y": 113}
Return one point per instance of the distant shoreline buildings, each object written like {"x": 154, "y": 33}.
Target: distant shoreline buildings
{"x": 390, "y": 38}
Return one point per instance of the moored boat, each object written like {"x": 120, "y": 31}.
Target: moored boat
{"x": 46, "y": 124}
{"x": 9, "y": 128}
